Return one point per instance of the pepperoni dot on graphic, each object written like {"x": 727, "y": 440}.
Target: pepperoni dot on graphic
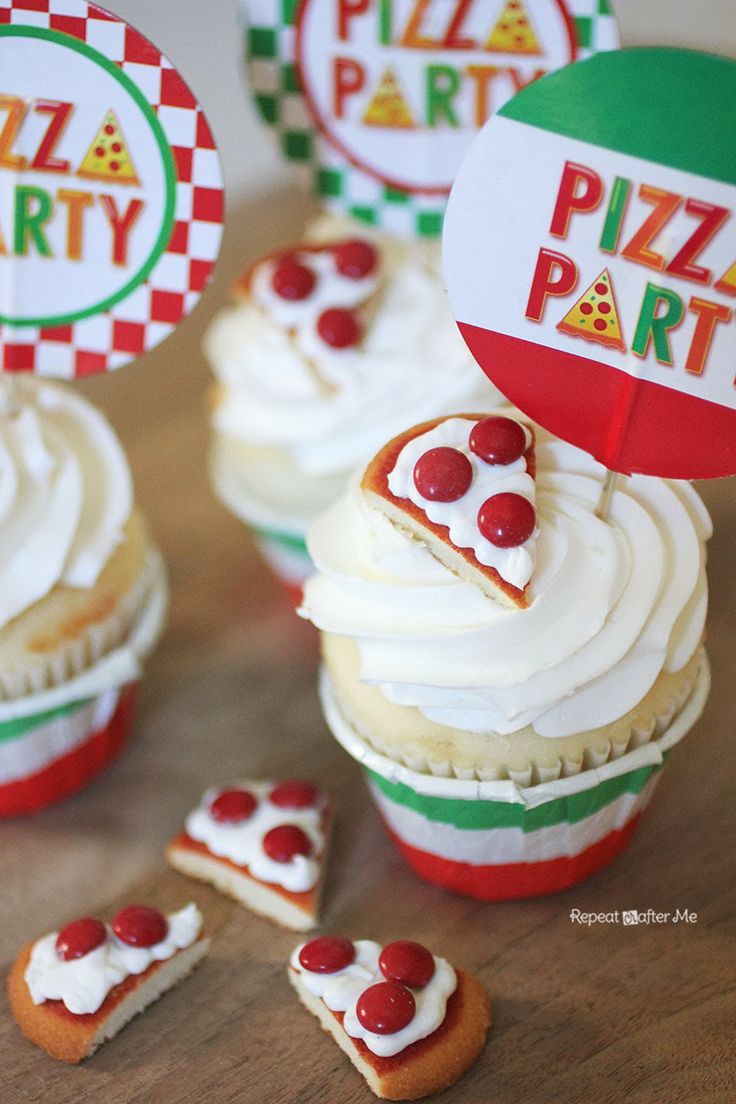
{"x": 498, "y": 440}
{"x": 327, "y": 954}
{"x": 355, "y": 258}
{"x": 407, "y": 962}
{"x": 292, "y": 280}
{"x": 286, "y": 841}
{"x": 233, "y": 806}
{"x": 339, "y": 328}
{"x": 443, "y": 474}
{"x": 114, "y": 165}
{"x": 99, "y": 151}
{"x": 601, "y": 289}
{"x": 140, "y": 926}
{"x": 604, "y": 308}
{"x": 507, "y": 519}
{"x": 385, "y": 1008}
{"x": 600, "y": 324}
{"x": 80, "y": 937}
{"x": 586, "y": 308}
{"x": 116, "y": 147}
{"x": 109, "y": 128}
{"x": 294, "y": 794}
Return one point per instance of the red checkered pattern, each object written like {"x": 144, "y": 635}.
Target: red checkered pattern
{"x": 106, "y": 341}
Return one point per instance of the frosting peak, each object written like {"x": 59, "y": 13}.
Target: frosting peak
{"x": 65, "y": 493}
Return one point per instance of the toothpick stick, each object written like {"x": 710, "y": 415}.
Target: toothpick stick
{"x": 604, "y": 502}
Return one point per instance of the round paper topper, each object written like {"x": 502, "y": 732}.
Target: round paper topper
{"x": 590, "y": 258}
{"x": 379, "y": 100}
{"x": 111, "y": 200}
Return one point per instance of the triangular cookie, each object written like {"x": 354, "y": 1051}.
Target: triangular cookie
{"x": 263, "y": 843}
{"x": 451, "y": 527}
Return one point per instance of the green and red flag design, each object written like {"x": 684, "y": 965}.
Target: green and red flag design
{"x": 590, "y": 256}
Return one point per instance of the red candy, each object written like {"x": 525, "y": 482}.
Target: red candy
{"x": 355, "y": 258}
{"x": 385, "y": 1008}
{"x": 292, "y": 280}
{"x": 140, "y": 926}
{"x": 443, "y": 474}
{"x": 507, "y": 520}
{"x": 285, "y": 841}
{"x": 233, "y": 806}
{"x": 80, "y": 937}
{"x": 498, "y": 440}
{"x": 339, "y": 328}
{"x": 327, "y": 954}
{"x": 407, "y": 962}
{"x": 294, "y": 795}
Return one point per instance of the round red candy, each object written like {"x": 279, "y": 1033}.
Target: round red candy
{"x": 140, "y": 926}
{"x": 327, "y": 954}
{"x": 339, "y": 328}
{"x": 233, "y": 806}
{"x": 355, "y": 259}
{"x": 285, "y": 841}
{"x": 498, "y": 440}
{"x": 507, "y": 520}
{"x": 292, "y": 280}
{"x": 407, "y": 962}
{"x": 80, "y": 937}
{"x": 443, "y": 474}
{"x": 385, "y": 1008}
{"x": 294, "y": 795}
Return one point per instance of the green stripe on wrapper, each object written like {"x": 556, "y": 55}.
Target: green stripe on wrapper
{"x": 13, "y": 730}
{"x": 469, "y": 814}
{"x": 287, "y": 540}
{"x": 568, "y": 102}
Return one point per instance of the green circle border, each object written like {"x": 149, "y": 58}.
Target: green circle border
{"x": 61, "y": 39}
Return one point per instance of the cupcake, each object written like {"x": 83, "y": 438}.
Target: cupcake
{"x": 328, "y": 345}
{"x": 82, "y": 593}
{"x": 511, "y": 669}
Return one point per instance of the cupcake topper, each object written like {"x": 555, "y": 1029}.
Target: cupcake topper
{"x": 378, "y": 100}
{"x": 590, "y": 258}
{"x": 111, "y": 199}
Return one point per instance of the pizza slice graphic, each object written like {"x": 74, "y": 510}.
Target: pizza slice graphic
{"x": 727, "y": 281}
{"x": 388, "y": 106}
{"x": 513, "y": 32}
{"x": 108, "y": 157}
{"x": 595, "y": 315}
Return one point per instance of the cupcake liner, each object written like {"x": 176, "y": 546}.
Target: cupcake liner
{"x": 53, "y": 743}
{"x": 76, "y": 656}
{"x": 498, "y": 840}
{"x": 287, "y": 557}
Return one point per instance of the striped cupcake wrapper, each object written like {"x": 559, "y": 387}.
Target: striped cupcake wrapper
{"x": 493, "y": 840}
{"x": 48, "y": 756}
{"x": 286, "y": 555}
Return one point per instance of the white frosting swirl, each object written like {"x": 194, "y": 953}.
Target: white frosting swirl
{"x": 65, "y": 492}
{"x": 612, "y": 605}
{"x": 515, "y": 565}
{"x": 331, "y": 408}
{"x": 83, "y": 983}
{"x": 242, "y": 843}
{"x": 342, "y": 990}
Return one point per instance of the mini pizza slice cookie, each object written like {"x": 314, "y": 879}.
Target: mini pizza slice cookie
{"x": 595, "y": 315}
{"x": 408, "y": 1021}
{"x": 108, "y": 157}
{"x": 72, "y": 990}
{"x": 465, "y": 486}
{"x": 263, "y": 843}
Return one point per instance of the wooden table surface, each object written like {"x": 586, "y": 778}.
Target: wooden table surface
{"x": 596, "y": 1014}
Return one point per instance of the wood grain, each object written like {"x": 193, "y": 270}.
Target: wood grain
{"x": 591, "y": 1015}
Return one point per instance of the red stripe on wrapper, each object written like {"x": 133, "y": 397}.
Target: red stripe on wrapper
{"x": 628, "y": 424}
{"x": 74, "y": 770}
{"x": 513, "y": 880}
